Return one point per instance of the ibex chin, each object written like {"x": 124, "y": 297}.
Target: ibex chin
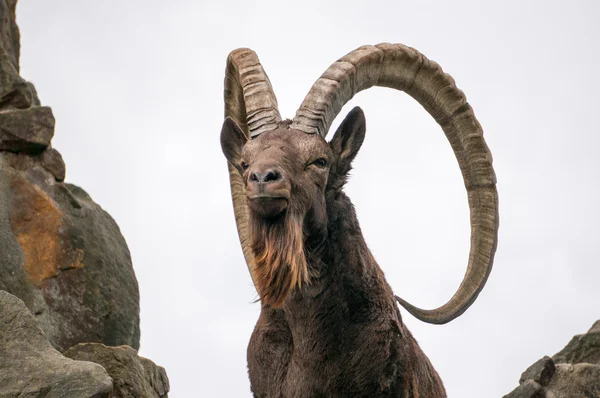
{"x": 329, "y": 324}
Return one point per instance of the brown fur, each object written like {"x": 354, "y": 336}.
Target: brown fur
{"x": 329, "y": 325}
{"x": 279, "y": 260}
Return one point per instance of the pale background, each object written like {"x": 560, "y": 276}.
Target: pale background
{"x": 136, "y": 88}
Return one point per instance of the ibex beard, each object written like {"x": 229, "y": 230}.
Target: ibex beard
{"x": 280, "y": 264}
{"x": 285, "y": 174}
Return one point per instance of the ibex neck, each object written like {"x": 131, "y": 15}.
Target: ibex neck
{"x": 338, "y": 255}
{"x": 349, "y": 288}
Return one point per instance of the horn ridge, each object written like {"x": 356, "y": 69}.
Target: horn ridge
{"x": 404, "y": 68}
{"x": 251, "y": 103}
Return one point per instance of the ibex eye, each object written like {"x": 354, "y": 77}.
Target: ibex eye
{"x": 321, "y": 162}
{"x": 245, "y": 165}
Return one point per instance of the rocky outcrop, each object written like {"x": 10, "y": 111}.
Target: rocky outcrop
{"x": 574, "y": 372}
{"x": 65, "y": 271}
{"x": 26, "y": 130}
{"x": 31, "y": 367}
{"x": 65, "y": 257}
{"x": 583, "y": 348}
{"x": 25, "y": 126}
{"x": 133, "y": 376}
{"x": 61, "y": 253}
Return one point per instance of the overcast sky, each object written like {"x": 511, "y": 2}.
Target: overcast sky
{"x": 136, "y": 88}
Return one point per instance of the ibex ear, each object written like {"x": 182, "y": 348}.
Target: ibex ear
{"x": 348, "y": 139}
{"x": 233, "y": 140}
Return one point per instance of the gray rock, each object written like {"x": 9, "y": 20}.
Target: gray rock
{"x": 595, "y": 327}
{"x": 581, "y": 380}
{"x": 133, "y": 376}
{"x": 9, "y": 33}
{"x": 65, "y": 258}
{"x": 540, "y": 372}
{"x": 26, "y": 130}
{"x": 60, "y": 252}
{"x": 574, "y": 372}
{"x": 529, "y": 389}
{"x": 49, "y": 159}
{"x": 25, "y": 126}
{"x": 15, "y": 92}
{"x": 52, "y": 161}
{"x": 584, "y": 348}
{"x": 30, "y": 367}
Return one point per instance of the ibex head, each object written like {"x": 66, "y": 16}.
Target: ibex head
{"x": 284, "y": 172}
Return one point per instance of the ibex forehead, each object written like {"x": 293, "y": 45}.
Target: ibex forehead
{"x": 287, "y": 142}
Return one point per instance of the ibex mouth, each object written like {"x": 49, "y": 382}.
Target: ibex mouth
{"x": 267, "y": 206}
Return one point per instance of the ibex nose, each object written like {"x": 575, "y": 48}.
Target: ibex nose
{"x": 264, "y": 177}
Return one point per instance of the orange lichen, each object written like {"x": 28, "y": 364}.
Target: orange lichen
{"x": 38, "y": 225}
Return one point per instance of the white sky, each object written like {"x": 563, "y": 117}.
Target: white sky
{"x": 136, "y": 88}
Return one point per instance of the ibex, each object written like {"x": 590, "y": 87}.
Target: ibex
{"x": 329, "y": 324}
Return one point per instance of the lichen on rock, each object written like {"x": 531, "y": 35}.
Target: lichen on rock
{"x": 61, "y": 253}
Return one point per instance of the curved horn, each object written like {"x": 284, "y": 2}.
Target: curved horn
{"x": 404, "y": 68}
{"x": 251, "y": 103}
